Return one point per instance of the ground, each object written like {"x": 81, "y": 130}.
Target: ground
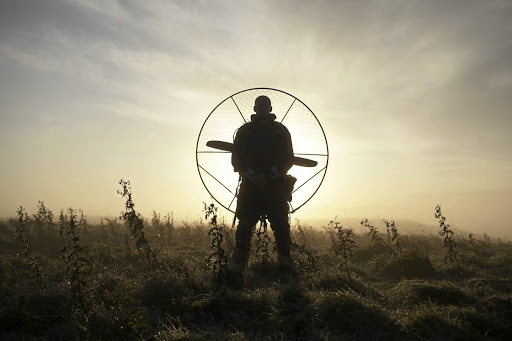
{"x": 99, "y": 282}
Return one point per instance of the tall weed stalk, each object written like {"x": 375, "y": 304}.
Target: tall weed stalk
{"x": 217, "y": 260}
{"x": 21, "y": 231}
{"x": 393, "y": 236}
{"x": 447, "y": 233}
{"x": 136, "y": 224}
{"x": 372, "y": 231}
{"x": 307, "y": 259}
{"x": 263, "y": 241}
{"x": 43, "y": 218}
{"x": 76, "y": 261}
{"x": 344, "y": 243}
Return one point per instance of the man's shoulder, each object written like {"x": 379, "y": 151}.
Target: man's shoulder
{"x": 245, "y": 126}
{"x": 280, "y": 127}
{"x": 244, "y": 129}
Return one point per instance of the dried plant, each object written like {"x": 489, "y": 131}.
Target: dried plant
{"x": 156, "y": 223}
{"x": 112, "y": 224}
{"x": 448, "y": 234}
{"x": 344, "y": 243}
{"x": 217, "y": 259}
{"x": 393, "y": 235}
{"x": 263, "y": 241}
{"x": 169, "y": 225}
{"x": 373, "y": 232}
{"x": 76, "y": 261}
{"x": 43, "y": 219}
{"x": 306, "y": 257}
{"x": 471, "y": 239}
{"x": 33, "y": 262}
{"x": 136, "y": 224}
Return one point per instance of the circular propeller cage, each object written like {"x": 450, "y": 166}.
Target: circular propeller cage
{"x": 308, "y": 139}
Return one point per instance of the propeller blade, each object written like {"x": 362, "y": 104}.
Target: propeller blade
{"x": 221, "y": 145}
{"x": 303, "y": 162}
{"x": 228, "y": 147}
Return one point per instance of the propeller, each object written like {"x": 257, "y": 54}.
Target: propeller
{"x": 228, "y": 147}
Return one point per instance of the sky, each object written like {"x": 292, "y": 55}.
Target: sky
{"x": 414, "y": 98}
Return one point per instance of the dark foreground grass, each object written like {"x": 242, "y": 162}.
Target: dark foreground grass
{"x": 110, "y": 291}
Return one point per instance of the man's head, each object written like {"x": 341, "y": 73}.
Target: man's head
{"x": 262, "y": 105}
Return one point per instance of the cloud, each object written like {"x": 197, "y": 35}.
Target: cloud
{"x": 152, "y": 55}
{"x": 424, "y": 71}
{"x": 397, "y": 70}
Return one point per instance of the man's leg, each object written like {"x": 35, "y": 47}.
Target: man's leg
{"x": 278, "y": 217}
{"x": 247, "y": 214}
{"x": 281, "y": 228}
{"x": 244, "y": 233}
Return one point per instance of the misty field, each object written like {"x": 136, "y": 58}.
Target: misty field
{"x": 149, "y": 278}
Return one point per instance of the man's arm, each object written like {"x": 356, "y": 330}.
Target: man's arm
{"x": 239, "y": 159}
{"x": 287, "y": 161}
{"x": 238, "y": 153}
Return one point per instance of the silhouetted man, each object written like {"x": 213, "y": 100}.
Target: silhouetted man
{"x": 262, "y": 154}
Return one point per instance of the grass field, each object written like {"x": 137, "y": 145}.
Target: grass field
{"x": 144, "y": 279}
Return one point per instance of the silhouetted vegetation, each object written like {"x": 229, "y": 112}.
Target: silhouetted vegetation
{"x": 218, "y": 259}
{"x": 73, "y": 280}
